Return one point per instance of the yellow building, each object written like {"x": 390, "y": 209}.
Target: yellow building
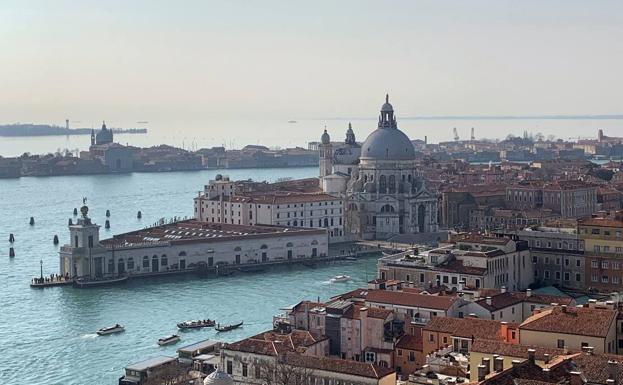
{"x": 571, "y": 328}
{"x": 603, "y": 245}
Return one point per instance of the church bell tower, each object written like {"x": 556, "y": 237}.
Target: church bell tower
{"x": 326, "y": 155}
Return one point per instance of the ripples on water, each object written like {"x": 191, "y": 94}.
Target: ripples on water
{"x": 48, "y": 336}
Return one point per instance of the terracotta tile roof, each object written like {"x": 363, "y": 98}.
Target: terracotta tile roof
{"x": 506, "y": 349}
{"x": 272, "y": 343}
{"x": 595, "y": 367}
{"x": 456, "y": 266}
{"x": 299, "y": 307}
{"x": 600, "y": 222}
{"x": 409, "y": 342}
{"x": 529, "y": 373}
{"x": 402, "y": 298}
{"x": 468, "y": 327}
{"x": 354, "y": 312}
{"x": 579, "y": 321}
{"x": 336, "y": 365}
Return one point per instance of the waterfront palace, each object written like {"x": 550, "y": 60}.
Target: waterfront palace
{"x": 183, "y": 246}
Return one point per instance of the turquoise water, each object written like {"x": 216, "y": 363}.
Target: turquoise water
{"x": 48, "y": 335}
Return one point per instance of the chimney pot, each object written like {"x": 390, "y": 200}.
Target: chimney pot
{"x": 546, "y": 358}
{"x": 576, "y": 378}
{"x": 528, "y": 292}
{"x": 486, "y": 361}
{"x": 613, "y": 371}
{"x": 498, "y": 364}
{"x": 488, "y": 301}
{"x": 481, "y": 372}
{"x": 531, "y": 354}
{"x": 546, "y": 373}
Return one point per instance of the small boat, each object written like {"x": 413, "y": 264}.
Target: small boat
{"x": 340, "y": 278}
{"x": 197, "y": 324}
{"x": 226, "y": 328}
{"x": 350, "y": 258}
{"x": 85, "y": 283}
{"x": 168, "y": 340}
{"x": 292, "y": 121}
{"x": 111, "y": 330}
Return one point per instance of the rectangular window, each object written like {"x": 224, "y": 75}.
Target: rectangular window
{"x": 594, "y": 264}
{"x": 561, "y": 344}
{"x": 578, "y": 263}
{"x": 230, "y": 367}
{"x": 578, "y": 277}
{"x": 604, "y": 279}
{"x": 244, "y": 370}
{"x": 604, "y": 264}
{"x": 566, "y": 276}
{"x": 594, "y": 278}
{"x": 616, "y": 265}
{"x": 546, "y": 274}
{"x": 615, "y": 280}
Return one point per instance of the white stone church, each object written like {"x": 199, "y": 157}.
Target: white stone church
{"x": 384, "y": 194}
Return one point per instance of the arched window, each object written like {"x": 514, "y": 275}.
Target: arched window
{"x": 182, "y": 254}
{"x": 296, "y": 223}
{"x": 409, "y": 177}
{"x": 382, "y": 184}
{"x": 314, "y": 242}
{"x": 263, "y": 247}
{"x": 130, "y": 263}
{"x": 392, "y": 184}
{"x": 326, "y": 222}
{"x": 289, "y": 244}
{"x": 163, "y": 260}
{"x": 365, "y": 178}
{"x": 237, "y": 248}
{"x": 387, "y": 208}
{"x": 145, "y": 261}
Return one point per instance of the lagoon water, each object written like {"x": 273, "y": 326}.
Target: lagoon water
{"x": 47, "y": 336}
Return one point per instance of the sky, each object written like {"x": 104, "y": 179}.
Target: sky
{"x": 183, "y": 65}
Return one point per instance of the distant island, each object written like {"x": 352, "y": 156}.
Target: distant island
{"x": 28, "y": 129}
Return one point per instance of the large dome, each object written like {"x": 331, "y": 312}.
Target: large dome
{"x": 387, "y": 142}
{"x": 218, "y": 378}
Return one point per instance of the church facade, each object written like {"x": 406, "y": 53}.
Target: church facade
{"x": 383, "y": 191}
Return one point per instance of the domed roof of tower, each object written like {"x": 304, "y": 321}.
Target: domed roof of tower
{"x": 387, "y": 142}
{"x": 218, "y": 378}
{"x": 325, "y": 138}
{"x": 387, "y": 106}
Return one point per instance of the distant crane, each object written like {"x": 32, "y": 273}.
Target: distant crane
{"x": 456, "y": 135}
{"x": 473, "y": 137}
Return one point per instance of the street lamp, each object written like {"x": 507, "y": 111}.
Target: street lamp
{"x": 41, "y": 263}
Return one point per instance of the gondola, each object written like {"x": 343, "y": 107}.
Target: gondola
{"x": 196, "y": 324}
{"x": 226, "y": 328}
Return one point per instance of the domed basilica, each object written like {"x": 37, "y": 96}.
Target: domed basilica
{"x": 383, "y": 191}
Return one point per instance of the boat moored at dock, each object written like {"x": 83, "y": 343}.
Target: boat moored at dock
{"x": 87, "y": 283}
{"x": 341, "y": 278}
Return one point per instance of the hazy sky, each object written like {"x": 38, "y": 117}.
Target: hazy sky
{"x": 182, "y": 63}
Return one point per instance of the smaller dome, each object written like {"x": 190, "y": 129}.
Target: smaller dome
{"x": 218, "y": 378}
{"x": 325, "y": 138}
{"x": 387, "y": 107}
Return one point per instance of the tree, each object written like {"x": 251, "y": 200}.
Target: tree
{"x": 280, "y": 373}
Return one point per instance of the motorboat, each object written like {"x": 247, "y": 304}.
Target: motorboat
{"x": 340, "y": 278}
{"x": 350, "y": 258}
{"x": 111, "y": 330}
{"x": 174, "y": 338}
{"x": 226, "y": 328}
{"x": 197, "y": 324}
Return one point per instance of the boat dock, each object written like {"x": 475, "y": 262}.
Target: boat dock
{"x": 41, "y": 283}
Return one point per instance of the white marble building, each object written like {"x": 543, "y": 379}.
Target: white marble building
{"x": 384, "y": 193}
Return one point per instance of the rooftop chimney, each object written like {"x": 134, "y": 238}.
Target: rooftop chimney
{"x": 546, "y": 373}
{"x": 516, "y": 364}
{"x": 481, "y": 372}
{"x": 531, "y": 354}
{"x": 613, "y": 371}
{"x": 498, "y": 364}
{"x": 546, "y": 358}
{"x": 488, "y": 301}
{"x": 503, "y": 289}
{"x": 486, "y": 361}
{"x": 564, "y": 308}
{"x": 528, "y": 292}
{"x": 576, "y": 378}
